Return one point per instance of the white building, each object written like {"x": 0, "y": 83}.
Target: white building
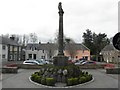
{"x": 10, "y": 50}
{"x": 44, "y": 51}
{"x": 110, "y": 54}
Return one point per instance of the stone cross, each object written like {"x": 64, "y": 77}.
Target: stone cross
{"x": 60, "y": 59}
{"x": 60, "y": 37}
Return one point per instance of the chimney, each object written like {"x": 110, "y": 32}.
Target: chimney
{"x": 12, "y": 38}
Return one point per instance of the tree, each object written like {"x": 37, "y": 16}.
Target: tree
{"x": 71, "y": 47}
{"x": 95, "y": 42}
{"x": 25, "y": 39}
{"x": 51, "y": 48}
{"x": 33, "y": 37}
{"x": 99, "y": 42}
{"x": 88, "y": 40}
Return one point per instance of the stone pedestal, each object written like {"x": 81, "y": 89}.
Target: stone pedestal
{"x": 60, "y": 60}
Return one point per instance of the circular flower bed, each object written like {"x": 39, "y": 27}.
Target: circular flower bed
{"x": 71, "y": 75}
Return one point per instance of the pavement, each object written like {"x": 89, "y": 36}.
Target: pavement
{"x": 21, "y": 80}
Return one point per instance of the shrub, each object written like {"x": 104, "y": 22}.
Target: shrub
{"x": 36, "y": 73}
{"x": 75, "y": 81}
{"x": 90, "y": 76}
{"x": 33, "y": 76}
{"x": 82, "y": 79}
{"x": 70, "y": 82}
{"x": 87, "y": 78}
{"x": 50, "y": 81}
{"x": 43, "y": 81}
{"x": 86, "y": 73}
{"x": 37, "y": 79}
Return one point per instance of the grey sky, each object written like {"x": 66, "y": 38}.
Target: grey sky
{"x": 41, "y": 17}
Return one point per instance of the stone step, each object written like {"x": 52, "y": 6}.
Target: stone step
{"x": 59, "y": 84}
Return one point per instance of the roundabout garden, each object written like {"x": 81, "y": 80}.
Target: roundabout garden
{"x": 71, "y": 75}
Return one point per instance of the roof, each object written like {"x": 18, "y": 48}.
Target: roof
{"x": 44, "y": 46}
{"x": 47, "y": 46}
{"x": 109, "y": 47}
{"x": 4, "y": 40}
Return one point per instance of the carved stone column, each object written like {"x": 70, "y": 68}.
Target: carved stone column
{"x": 60, "y": 59}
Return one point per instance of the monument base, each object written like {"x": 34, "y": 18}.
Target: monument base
{"x": 60, "y": 60}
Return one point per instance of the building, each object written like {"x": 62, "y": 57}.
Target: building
{"x": 10, "y": 50}
{"x": 44, "y": 51}
{"x": 110, "y": 54}
{"x": 80, "y": 50}
{"x": 49, "y": 50}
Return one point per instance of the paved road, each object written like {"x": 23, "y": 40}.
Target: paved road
{"x": 21, "y": 80}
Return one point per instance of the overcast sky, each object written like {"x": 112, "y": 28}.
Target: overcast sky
{"x": 41, "y": 17}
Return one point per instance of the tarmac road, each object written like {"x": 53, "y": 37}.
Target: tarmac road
{"x": 20, "y": 80}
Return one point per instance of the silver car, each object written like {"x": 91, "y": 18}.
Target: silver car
{"x": 32, "y": 62}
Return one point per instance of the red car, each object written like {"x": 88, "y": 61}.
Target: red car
{"x": 70, "y": 61}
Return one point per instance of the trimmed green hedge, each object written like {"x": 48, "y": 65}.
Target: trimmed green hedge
{"x": 43, "y": 81}
{"x": 82, "y": 79}
{"x": 74, "y": 75}
{"x": 72, "y": 81}
{"x": 50, "y": 81}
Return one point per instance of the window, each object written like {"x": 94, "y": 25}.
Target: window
{"x": 3, "y": 56}
{"x": 34, "y": 56}
{"x": 43, "y": 51}
{"x": 10, "y": 57}
{"x": 43, "y": 57}
{"x": 30, "y": 56}
{"x": 50, "y": 56}
{"x": 3, "y": 47}
{"x": 35, "y": 48}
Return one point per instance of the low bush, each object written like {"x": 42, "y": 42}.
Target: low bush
{"x": 82, "y": 79}
{"x": 43, "y": 81}
{"x": 70, "y": 82}
{"x": 86, "y": 73}
{"x": 33, "y": 76}
{"x": 90, "y": 76}
{"x": 74, "y": 75}
{"x": 75, "y": 81}
{"x": 50, "y": 81}
{"x": 37, "y": 79}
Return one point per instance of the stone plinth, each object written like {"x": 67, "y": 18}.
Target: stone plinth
{"x": 60, "y": 60}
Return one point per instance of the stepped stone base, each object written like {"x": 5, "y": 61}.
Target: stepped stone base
{"x": 60, "y": 60}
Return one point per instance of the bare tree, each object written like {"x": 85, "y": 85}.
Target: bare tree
{"x": 25, "y": 39}
{"x": 33, "y": 37}
{"x": 71, "y": 47}
{"x": 51, "y": 47}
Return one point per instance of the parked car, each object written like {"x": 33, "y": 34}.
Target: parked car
{"x": 70, "y": 61}
{"x": 79, "y": 62}
{"x": 32, "y": 62}
{"x": 89, "y": 62}
{"x": 42, "y": 61}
